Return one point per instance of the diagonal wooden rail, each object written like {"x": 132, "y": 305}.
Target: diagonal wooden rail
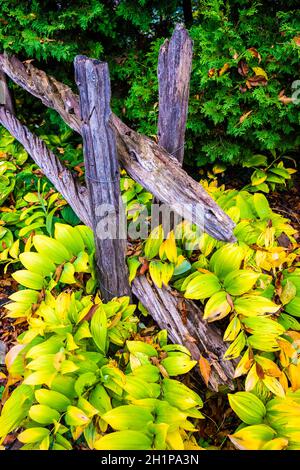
{"x": 144, "y": 160}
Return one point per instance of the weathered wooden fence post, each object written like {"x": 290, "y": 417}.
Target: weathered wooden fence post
{"x": 5, "y": 94}
{"x": 102, "y": 176}
{"x": 174, "y": 73}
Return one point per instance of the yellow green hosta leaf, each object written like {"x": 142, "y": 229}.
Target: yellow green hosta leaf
{"x": 15, "y": 409}
{"x": 249, "y": 408}
{"x": 139, "y": 388}
{"x": 140, "y": 347}
{"x": 50, "y": 346}
{"x": 153, "y": 242}
{"x": 232, "y": 329}
{"x": 37, "y": 263}
{"x": 67, "y": 275}
{"x": 69, "y": 237}
{"x": 87, "y": 236}
{"x": 39, "y": 378}
{"x": 62, "y": 441}
{"x": 288, "y": 293}
{"x": 128, "y": 417}
{"x": 86, "y": 407}
{"x": 25, "y": 296}
{"x": 245, "y": 364}
{"x": 202, "y": 286}
{"x": 239, "y": 282}
{"x": 29, "y": 279}
{"x": 293, "y": 307}
{"x": 100, "y": 399}
{"x": 18, "y": 309}
{"x": 55, "y": 400}
{"x": 179, "y": 395}
{"x": 263, "y": 342}
{"x": 124, "y": 440}
{"x": 155, "y": 269}
{"x": 99, "y": 328}
{"x": 33, "y": 435}
{"x": 263, "y": 325}
{"x": 217, "y": 307}
{"x": 52, "y": 248}
{"x": 236, "y": 347}
{"x": 252, "y": 305}
{"x": 76, "y": 417}
{"x": 261, "y": 205}
{"x": 170, "y": 248}
{"x": 43, "y": 414}
{"x": 258, "y": 177}
{"x": 269, "y": 367}
{"x": 167, "y": 271}
{"x": 147, "y": 372}
{"x": 82, "y": 263}
{"x": 252, "y": 437}
{"x": 228, "y": 258}
{"x": 133, "y": 265}
{"x": 174, "y": 440}
{"x": 274, "y": 385}
{"x": 177, "y": 365}
{"x": 279, "y": 443}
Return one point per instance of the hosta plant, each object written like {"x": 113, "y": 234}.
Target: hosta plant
{"x": 271, "y": 426}
{"x": 85, "y": 376}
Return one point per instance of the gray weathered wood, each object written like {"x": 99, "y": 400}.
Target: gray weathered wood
{"x": 51, "y": 166}
{"x": 5, "y": 94}
{"x": 145, "y": 161}
{"x": 197, "y": 335}
{"x": 102, "y": 175}
{"x": 174, "y": 73}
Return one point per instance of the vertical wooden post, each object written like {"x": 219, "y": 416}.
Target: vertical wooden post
{"x": 174, "y": 71}
{"x": 102, "y": 175}
{"x": 5, "y": 94}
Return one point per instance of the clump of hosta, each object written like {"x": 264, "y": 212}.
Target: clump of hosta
{"x": 253, "y": 285}
{"x": 75, "y": 383}
{"x": 274, "y": 426}
{"x": 65, "y": 259}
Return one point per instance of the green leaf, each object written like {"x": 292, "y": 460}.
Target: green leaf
{"x": 155, "y": 270}
{"x": 128, "y": 417}
{"x": 37, "y": 263}
{"x": 255, "y": 160}
{"x": 51, "y": 248}
{"x": 76, "y": 417}
{"x": 241, "y": 281}
{"x": 261, "y": 206}
{"x": 252, "y": 305}
{"x": 153, "y": 242}
{"x": 248, "y": 407}
{"x": 15, "y": 409}
{"x": 202, "y": 286}
{"x": 43, "y": 414}
{"x": 217, "y": 307}
{"x": 124, "y": 440}
{"x": 55, "y": 400}
{"x": 99, "y": 329}
{"x": 69, "y": 237}
{"x": 236, "y": 347}
{"x": 33, "y": 435}
{"x": 252, "y": 437}
{"x": 258, "y": 177}
{"x": 177, "y": 365}
{"x": 288, "y": 293}
{"x": 29, "y": 279}
{"x": 133, "y": 265}
{"x": 228, "y": 258}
